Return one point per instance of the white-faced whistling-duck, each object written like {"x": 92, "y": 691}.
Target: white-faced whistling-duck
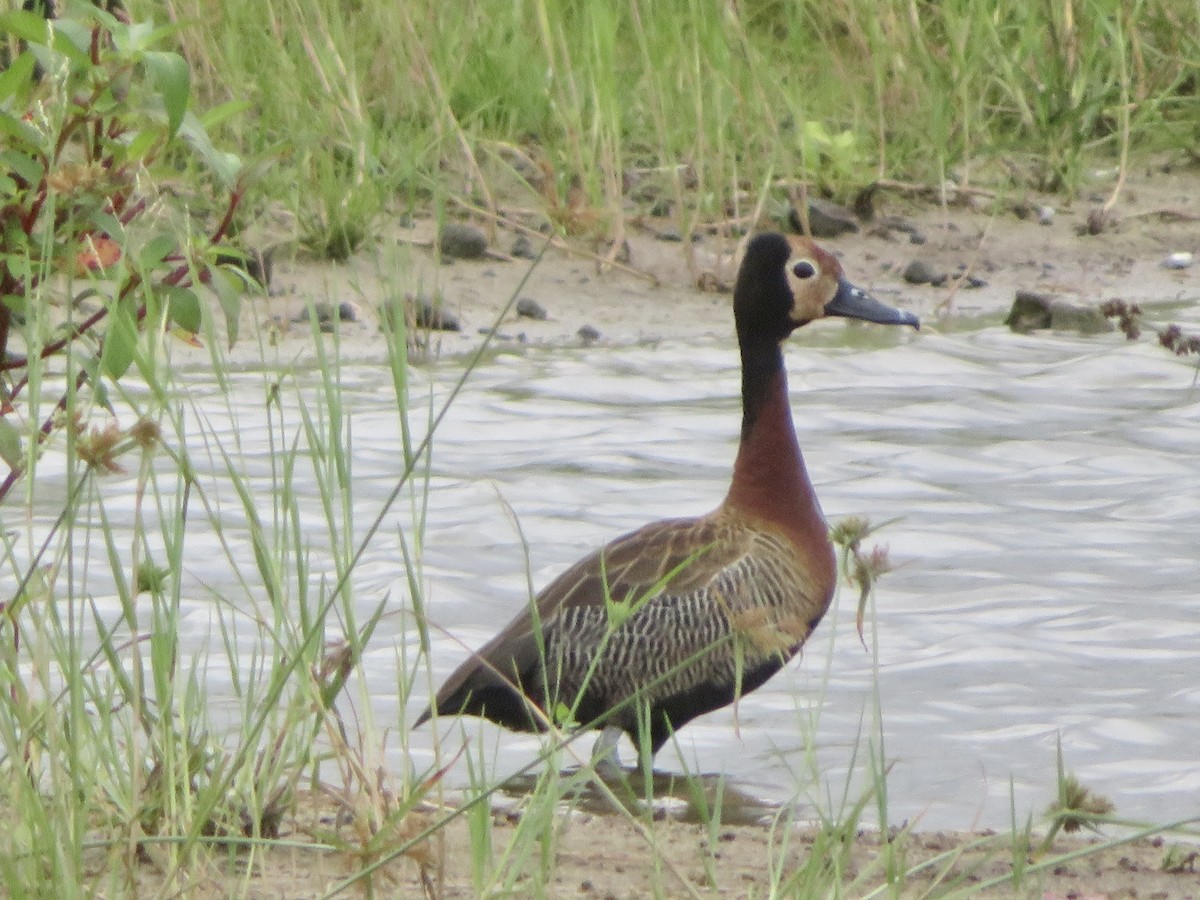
{"x": 712, "y": 606}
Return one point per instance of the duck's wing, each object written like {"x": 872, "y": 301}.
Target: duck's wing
{"x": 675, "y": 556}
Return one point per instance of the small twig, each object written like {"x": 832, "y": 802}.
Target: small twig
{"x": 1167, "y": 214}
{"x": 934, "y": 191}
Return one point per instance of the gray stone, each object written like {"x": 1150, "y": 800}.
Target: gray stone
{"x": 522, "y": 247}
{"x": 826, "y": 219}
{"x": 1032, "y": 310}
{"x": 428, "y": 313}
{"x": 431, "y": 313}
{"x": 920, "y": 272}
{"x": 325, "y": 313}
{"x": 529, "y": 308}
{"x": 458, "y": 240}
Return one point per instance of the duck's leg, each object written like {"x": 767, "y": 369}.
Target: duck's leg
{"x": 604, "y": 753}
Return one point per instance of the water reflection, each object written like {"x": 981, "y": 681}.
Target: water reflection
{"x": 1046, "y": 492}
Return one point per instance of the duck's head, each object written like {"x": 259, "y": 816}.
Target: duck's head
{"x": 786, "y": 282}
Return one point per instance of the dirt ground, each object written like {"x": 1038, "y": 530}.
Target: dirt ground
{"x": 611, "y": 857}
{"x": 654, "y": 296}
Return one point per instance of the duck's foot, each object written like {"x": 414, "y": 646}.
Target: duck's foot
{"x": 604, "y": 754}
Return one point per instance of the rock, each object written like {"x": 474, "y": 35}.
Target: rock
{"x": 325, "y": 313}
{"x": 428, "y": 313}
{"x": 1178, "y": 261}
{"x": 889, "y": 225}
{"x": 920, "y": 272}
{"x": 432, "y": 314}
{"x": 661, "y": 209}
{"x": 458, "y": 240}
{"x": 589, "y": 334}
{"x": 529, "y": 308}
{"x": 1098, "y": 219}
{"x": 1045, "y": 215}
{"x": 522, "y": 247}
{"x": 826, "y": 219}
{"x": 673, "y": 236}
{"x": 1032, "y": 310}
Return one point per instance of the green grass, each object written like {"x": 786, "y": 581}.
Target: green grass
{"x": 601, "y": 111}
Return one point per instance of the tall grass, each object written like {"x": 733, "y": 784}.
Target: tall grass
{"x": 609, "y": 110}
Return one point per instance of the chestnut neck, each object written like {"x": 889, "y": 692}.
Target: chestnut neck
{"x": 770, "y": 480}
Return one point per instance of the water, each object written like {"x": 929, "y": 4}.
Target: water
{"x": 1046, "y": 492}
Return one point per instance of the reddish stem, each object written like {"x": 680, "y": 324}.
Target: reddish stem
{"x": 44, "y": 432}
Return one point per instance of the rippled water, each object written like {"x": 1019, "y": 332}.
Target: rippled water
{"x": 1047, "y": 549}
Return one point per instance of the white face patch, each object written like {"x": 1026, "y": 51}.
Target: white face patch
{"x": 805, "y": 278}
{"x": 801, "y": 273}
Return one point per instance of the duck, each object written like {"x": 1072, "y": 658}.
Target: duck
{"x": 686, "y": 615}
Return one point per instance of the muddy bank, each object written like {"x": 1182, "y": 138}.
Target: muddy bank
{"x": 979, "y": 253}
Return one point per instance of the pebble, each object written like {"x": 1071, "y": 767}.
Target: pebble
{"x": 432, "y": 314}
{"x": 661, "y": 209}
{"x": 1032, "y": 310}
{"x": 1182, "y": 260}
{"x": 522, "y": 247}
{"x": 890, "y": 224}
{"x": 1045, "y": 215}
{"x": 459, "y": 240}
{"x": 325, "y": 314}
{"x": 589, "y": 334}
{"x": 826, "y": 219}
{"x": 1098, "y": 219}
{"x": 427, "y": 313}
{"x": 920, "y": 272}
{"x": 529, "y": 308}
{"x": 672, "y": 235}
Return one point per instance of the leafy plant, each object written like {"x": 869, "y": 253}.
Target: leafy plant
{"x": 95, "y": 261}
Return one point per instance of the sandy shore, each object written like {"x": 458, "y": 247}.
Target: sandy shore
{"x": 657, "y": 293}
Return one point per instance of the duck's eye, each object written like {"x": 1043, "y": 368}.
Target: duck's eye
{"x": 804, "y": 270}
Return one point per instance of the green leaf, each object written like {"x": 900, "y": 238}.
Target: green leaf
{"x": 11, "y": 450}
{"x": 26, "y": 26}
{"x": 229, "y": 295}
{"x": 74, "y": 41}
{"x": 22, "y": 131}
{"x": 218, "y": 114}
{"x": 157, "y": 249}
{"x": 22, "y": 164}
{"x": 225, "y": 166}
{"x": 105, "y": 222}
{"x": 120, "y": 342}
{"x": 172, "y": 80}
{"x": 183, "y": 306}
{"x": 17, "y": 76}
{"x": 142, "y": 143}
{"x": 15, "y": 302}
